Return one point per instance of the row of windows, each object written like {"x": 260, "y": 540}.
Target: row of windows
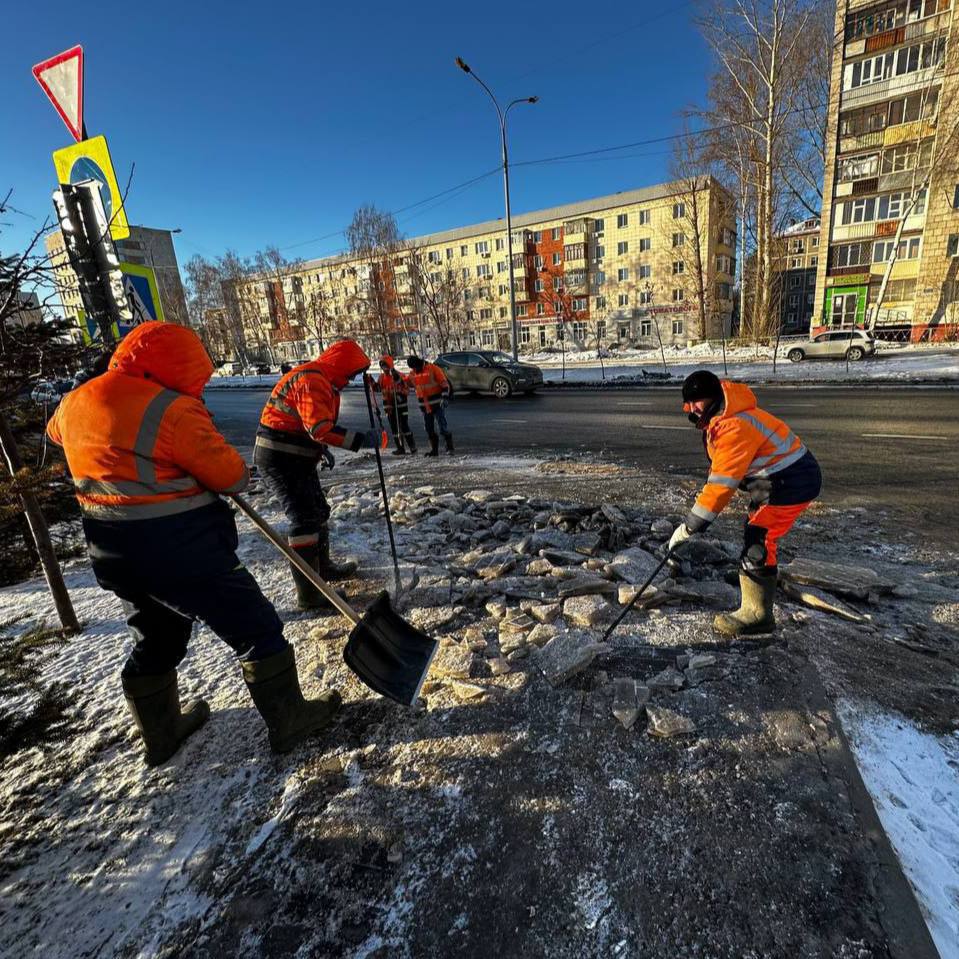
{"x": 890, "y": 206}
{"x": 872, "y": 22}
{"x": 879, "y": 251}
{"x": 897, "y": 159}
{"x": 896, "y": 63}
{"x": 872, "y": 119}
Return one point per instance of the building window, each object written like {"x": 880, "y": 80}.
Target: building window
{"x": 678, "y": 327}
{"x": 502, "y": 312}
{"x": 579, "y": 330}
{"x": 466, "y": 272}
{"x": 482, "y": 246}
{"x": 538, "y": 262}
{"x": 449, "y": 253}
{"x": 556, "y": 232}
{"x": 600, "y": 302}
{"x": 952, "y": 245}
{"x": 557, "y": 306}
{"x": 470, "y": 315}
{"x": 622, "y": 274}
{"x": 678, "y": 295}
{"x": 580, "y": 304}
{"x": 622, "y": 247}
{"x": 955, "y": 198}
{"x": 908, "y": 249}
{"x": 599, "y": 225}
{"x": 542, "y": 336}
{"x": 679, "y": 211}
{"x": 622, "y": 220}
{"x": 645, "y": 245}
{"x": 722, "y": 291}
{"x": 794, "y": 300}
{"x": 557, "y": 259}
{"x": 622, "y": 331}
{"x": 907, "y": 156}
{"x": 678, "y": 267}
{"x": 483, "y": 270}
{"x": 500, "y": 266}
{"x": 810, "y": 299}
{"x": 795, "y": 282}
{"x": 487, "y": 337}
{"x": 624, "y": 299}
{"x": 486, "y": 314}
{"x": 645, "y": 297}
{"x": 813, "y": 262}
{"x": 434, "y": 256}
{"x": 539, "y": 286}
{"x": 467, "y": 295}
{"x": 643, "y": 217}
{"x": 679, "y": 239}
{"x": 600, "y": 329}
{"x": 499, "y": 243}
{"x": 858, "y": 168}
{"x": 645, "y": 271}
{"x": 464, "y": 250}
{"x": 645, "y": 327}
{"x": 521, "y": 309}
{"x": 471, "y": 338}
{"x": 524, "y": 335}
{"x": 557, "y": 284}
{"x": 537, "y": 236}
{"x": 502, "y": 289}
{"x": 540, "y": 309}
{"x": 601, "y": 250}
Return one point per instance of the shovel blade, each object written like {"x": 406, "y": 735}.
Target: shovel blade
{"x": 388, "y": 654}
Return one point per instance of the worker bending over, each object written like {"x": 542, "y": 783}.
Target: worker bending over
{"x": 433, "y": 392}
{"x": 147, "y": 463}
{"x": 752, "y": 450}
{"x": 297, "y": 425}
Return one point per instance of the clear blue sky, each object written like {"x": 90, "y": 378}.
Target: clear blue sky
{"x": 269, "y": 123}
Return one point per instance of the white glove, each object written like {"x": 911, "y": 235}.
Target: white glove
{"x": 680, "y": 535}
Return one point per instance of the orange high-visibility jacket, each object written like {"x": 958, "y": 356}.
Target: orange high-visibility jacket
{"x": 393, "y": 385}
{"x": 138, "y": 440}
{"x": 746, "y": 446}
{"x": 307, "y": 399}
{"x": 431, "y": 385}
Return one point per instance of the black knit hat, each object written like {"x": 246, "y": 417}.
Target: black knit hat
{"x": 414, "y": 362}
{"x": 702, "y": 385}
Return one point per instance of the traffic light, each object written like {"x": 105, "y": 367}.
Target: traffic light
{"x": 86, "y": 234}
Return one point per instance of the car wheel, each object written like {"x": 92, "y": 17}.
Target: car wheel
{"x": 795, "y": 356}
{"x": 855, "y": 353}
{"x": 501, "y": 388}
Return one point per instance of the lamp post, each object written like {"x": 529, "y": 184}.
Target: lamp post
{"x": 502, "y": 114}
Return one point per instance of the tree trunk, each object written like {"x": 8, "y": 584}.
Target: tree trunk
{"x": 40, "y": 534}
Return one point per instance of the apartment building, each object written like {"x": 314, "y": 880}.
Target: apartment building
{"x": 889, "y": 237}
{"x": 144, "y": 247}
{"x": 628, "y": 269}
{"x": 795, "y": 266}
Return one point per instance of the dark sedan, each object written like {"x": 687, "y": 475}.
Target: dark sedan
{"x": 489, "y": 371}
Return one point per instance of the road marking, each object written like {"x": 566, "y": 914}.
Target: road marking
{"x": 904, "y": 436}
{"x": 634, "y": 403}
{"x": 647, "y": 426}
{"x": 510, "y": 421}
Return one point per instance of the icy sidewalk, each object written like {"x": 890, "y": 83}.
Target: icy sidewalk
{"x": 505, "y": 815}
{"x": 913, "y": 778}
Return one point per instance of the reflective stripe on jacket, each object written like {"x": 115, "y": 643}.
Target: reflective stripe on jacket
{"x": 746, "y": 447}
{"x": 138, "y": 440}
{"x": 394, "y": 388}
{"x": 431, "y": 385}
{"x": 307, "y": 399}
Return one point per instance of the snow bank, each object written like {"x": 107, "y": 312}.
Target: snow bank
{"x": 913, "y": 778}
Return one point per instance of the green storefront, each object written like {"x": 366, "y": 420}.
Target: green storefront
{"x": 845, "y": 306}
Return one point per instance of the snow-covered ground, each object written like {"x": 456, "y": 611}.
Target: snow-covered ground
{"x": 913, "y": 778}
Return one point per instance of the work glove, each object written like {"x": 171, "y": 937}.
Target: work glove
{"x": 328, "y": 461}
{"x": 680, "y": 535}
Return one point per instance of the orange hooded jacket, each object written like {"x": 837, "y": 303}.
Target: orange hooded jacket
{"x": 138, "y": 440}
{"x": 431, "y": 386}
{"x": 307, "y": 400}
{"x": 745, "y": 446}
{"x": 392, "y": 384}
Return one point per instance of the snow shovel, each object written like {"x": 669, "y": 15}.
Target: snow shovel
{"x": 642, "y": 589}
{"x": 379, "y": 468}
{"x": 386, "y": 652}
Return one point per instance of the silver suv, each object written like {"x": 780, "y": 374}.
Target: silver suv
{"x": 836, "y": 345}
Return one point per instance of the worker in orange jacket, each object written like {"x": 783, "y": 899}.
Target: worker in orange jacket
{"x": 395, "y": 389}
{"x": 433, "y": 392}
{"x": 752, "y": 450}
{"x": 148, "y": 463}
{"x": 297, "y": 425}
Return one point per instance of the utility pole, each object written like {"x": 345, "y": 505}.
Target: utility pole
{"x": 502, "y": 114}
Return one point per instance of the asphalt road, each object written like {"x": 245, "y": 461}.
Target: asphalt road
{"x": 893, "y": 449}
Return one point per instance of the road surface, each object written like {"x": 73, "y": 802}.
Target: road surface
{"x": 893, "y": 449}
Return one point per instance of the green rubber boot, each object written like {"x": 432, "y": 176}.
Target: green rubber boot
{"x": 275, "y": 689}
{"x": 755, "y": 613}
{"x": 154, "y": 702}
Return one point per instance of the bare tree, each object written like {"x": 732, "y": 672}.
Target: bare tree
{"x": 438, "y": 291}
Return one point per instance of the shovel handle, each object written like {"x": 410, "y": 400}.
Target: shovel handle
{"x": 271, "y": 534}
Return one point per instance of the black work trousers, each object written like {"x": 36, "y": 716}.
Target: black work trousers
{"x": 399, "y": 417}
{"x": 293, "y": 479}
{"x": 173, "y": 571}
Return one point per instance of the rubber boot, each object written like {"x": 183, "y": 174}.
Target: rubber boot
{"x": 448, "y": 437}
{"x": 328, "y": 568}
{"x": 755, "y": 613}
{"x": 410, "y": 443}
{"x": 275, "y": 689}
{"x": 308, "y": 597}
{"x": 154, "y": 703}
{"x": 399, "y": 451}
{"x": 434, "y": 446}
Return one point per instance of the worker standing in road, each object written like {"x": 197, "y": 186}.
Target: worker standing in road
{"x": 395, "y": 389}
{"x": 433, "y": 392}
{"x": 147, "y": 463}
{"x": 297, "y": 426}
{"x": 752, "y": 450}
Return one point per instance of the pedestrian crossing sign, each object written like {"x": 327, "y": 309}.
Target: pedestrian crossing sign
{"x": 140, "y": 285}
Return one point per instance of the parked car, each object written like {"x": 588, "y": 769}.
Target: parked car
{"x": 835, "y": 345}
{"x": 489, "y": 371}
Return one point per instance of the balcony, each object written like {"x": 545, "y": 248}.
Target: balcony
{"x": 902, "y": 132}
{"x": 861, "y": 142}
{"x": 854, "y": 231}
{"x": 874, "y": 92}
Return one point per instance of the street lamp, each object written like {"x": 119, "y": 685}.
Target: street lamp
{"x": 502, "y": 114}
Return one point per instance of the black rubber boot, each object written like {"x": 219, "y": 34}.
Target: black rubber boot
{"x": 755, "y": 613}
{"x": 399, "y": 451}
{"x": 275, "y": 689}
{"x": 410, "y": 443}
{"x": 154, "y": 702}
{"x": 308, "y": 597}
{"x": 328, "y": 568}
{"x": 434, "y": 446}
{"x": 449, "y": 443}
